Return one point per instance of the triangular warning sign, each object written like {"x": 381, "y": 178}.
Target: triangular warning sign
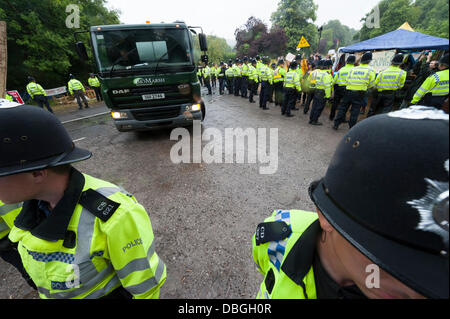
{"x": 303, "y": 43}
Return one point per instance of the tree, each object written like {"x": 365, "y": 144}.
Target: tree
{"x": 40, "y": 43}
{"x": 333, "y": 32}
{"x": 218, "y": 49}
{"x": 296, "y": 17}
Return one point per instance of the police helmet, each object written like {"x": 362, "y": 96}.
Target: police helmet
{"x": 71, "y": 76}
{"x": 298, "y": 57}
{"x": 245, "y": 59}
{"x": 281, "y": 62}
{"x": 293, "y": 65}
{"x": 367, "y": 57}
{"x": 258, "y": 58}
{"x": 396, "y": 215}
{"x": 31, "y": 79}
{"x": 32, "y": 138}
{"x": 351, "y": 59}
{"x": 398, "y": 59}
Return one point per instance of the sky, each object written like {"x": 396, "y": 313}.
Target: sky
{"x": 222, "y": 18}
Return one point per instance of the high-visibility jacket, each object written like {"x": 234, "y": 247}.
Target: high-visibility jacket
{"x": 75, "y": 85}
{"x": 199, "y": 72}
{"x": 213, "y": 71}
{"x": 9, "y": 97}
{"x": 35, "y": 89}
{"x": 292, "y": 80}
{"x": 277, "y": 260}
{"x": 279, "y": 75}
{"x": 220, "y": 72}
{"x": 95, "y": 240}
{"x": 244, "y": 70}
{"x": 206, "y": 72}
{"x": 237, "y": 71}
{"x": 264, "y": 74}
{"x": 361, "y": 78}
{"x": 94, "y": 82}
{"x": 253, "y": 74}
{"x": 299, "y": 72}
{"x": 229, "y": 73}
{"x": 8, "y": 214}
{"x": 340, "y": 78}
{"x": 436, "y": 85}
{"x": 271, "y": 74}
{"x": 259, "y": 65}
{"x": 391, "y": 79}
{"x": 324, "y": 81}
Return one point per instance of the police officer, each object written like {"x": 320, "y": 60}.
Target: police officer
{"x": 272, "y": 68}
{"x": 207, "y": 78}
{"x": 213, "y": 70}
{"x": 253, "y": 80}
{"x": 299, "y": 60}
{"x": 388, "y": 82}
{"x": 380, "y": 229}
{"x": 278, "y": 82}
{"x": 265, "y": 78}
{"x": 291, "y": 88}
{"x": 322, "y": 92}
{"x": 78, "y": 236}
{"x": 229, "y": 73}
{"x": 311, "y": 87}
{"x": 244, "y": 78}
{"x": 339, "y": 81}
{"x": 434, "y": 91}
{"x": 237, "y": 77}
{"x": 199, "y": 74}
{"x": 77, "y": 89}
{"x": 259, "y": 65}
{"x": 221, "y": 77}
{"x": 94, "y": 83}
{"x": 359, "y": 80}
{"x": 37, "y": 93}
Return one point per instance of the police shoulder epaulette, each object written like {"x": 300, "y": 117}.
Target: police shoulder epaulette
{"x": 272, "y": 231}
{"x": 99, "y": 205}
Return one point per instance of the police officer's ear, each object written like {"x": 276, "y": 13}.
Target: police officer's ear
{"x": 324, "y": 224}
{"x": 39, "y": 176}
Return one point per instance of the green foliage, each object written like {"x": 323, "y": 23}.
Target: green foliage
{"x": 296, "y": 17}
{"x": 427, "y": 16}
{"x": 333, "y": 32}
{"x": 40, "y": 44}
{"x": 218, "y": 49}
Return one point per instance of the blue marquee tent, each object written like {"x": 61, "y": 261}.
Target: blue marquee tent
{"x": 400, "y": 39}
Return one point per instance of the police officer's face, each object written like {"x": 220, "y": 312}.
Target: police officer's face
{"x": 350, "y": 267}
{"x": 20, "y": 187}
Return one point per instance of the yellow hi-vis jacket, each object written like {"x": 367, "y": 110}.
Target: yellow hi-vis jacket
{"x": 35, "y": 89}
{"x": 94, "y": 82}
{"x": 361, "y": 78}
{"x": 292, "y": 80}
{"x": 292, "y": 234}
{"x": 391, "y": 79}
{"x": 324, "y": 81}
{"x": 95, "y": 240}
{"x": 8, "y": 214}
{"x": 340, "y": 78}
{"x": 75, "y": 85}
{"x": 436, "y": 84}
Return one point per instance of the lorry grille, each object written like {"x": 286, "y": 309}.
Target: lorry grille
{"x": 133, "y": 96}
{"x": 156, "y": 113}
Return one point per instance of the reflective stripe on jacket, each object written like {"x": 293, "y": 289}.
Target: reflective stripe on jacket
{"x": 75, "y": 85}
{"x": 94, "y": 82}
{"x": 361, "y": 78}
{"x": 8, "y": 214}
{"x": 391, "y": 79}
{"x": 292, "y": 80}
{"x": 436, "y": 84}
{"x": 35, "y": 89}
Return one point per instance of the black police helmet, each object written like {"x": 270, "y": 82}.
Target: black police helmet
{"x": 367, "y": 57}
{"x": 398, "y": 59}
{"x": 32, "y": 138}
{"x": 298, "y": 57}
{"x": 351, "y": 59}
{"x": 444, "y": 60}
{"x": 293, "y": 65}
{"x": 386, "y": 192}
{"x": 281, "y": 62}
{"x": 31, "y": 79}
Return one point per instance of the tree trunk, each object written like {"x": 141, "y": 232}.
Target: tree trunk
{"x": 3, "y": 58}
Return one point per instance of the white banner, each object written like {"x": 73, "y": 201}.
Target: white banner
{"x": 290, "y": 57}
{"x": 56, "y": 91}
{"x": 382, "y": 60}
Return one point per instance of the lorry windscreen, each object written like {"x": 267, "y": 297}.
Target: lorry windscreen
{"x": 136, "y": 49}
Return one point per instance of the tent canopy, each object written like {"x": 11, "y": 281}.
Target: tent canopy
{"x": 400, "y": 39}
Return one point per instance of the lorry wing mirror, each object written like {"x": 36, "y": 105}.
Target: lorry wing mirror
{"x": 203, "y": 43}
{"x": 81, "y": 50}
{"x": 204, "y": 58}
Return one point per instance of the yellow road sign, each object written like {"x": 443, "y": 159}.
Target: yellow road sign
{"x": 303, "y": 43}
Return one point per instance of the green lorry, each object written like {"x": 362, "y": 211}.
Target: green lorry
{"x": 147, "y": 72}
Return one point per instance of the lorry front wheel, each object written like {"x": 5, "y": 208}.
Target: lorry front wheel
{"x": 203, "y": 111}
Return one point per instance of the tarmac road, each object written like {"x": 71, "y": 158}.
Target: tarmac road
{"x": 203, "y": 215}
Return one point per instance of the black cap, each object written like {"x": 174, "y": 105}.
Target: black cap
{"x": 351, "y": 59}
{"x": 32, "y": 138}
{"x": 367, "y": 57}
{"x": 386, "y": 192}
{"x": 398, "y": 59}
{"x": 444, "y": 60}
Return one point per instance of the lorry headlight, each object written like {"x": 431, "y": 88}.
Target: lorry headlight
{"x": 196, "y": 107}
{"x": 119, "y": 115}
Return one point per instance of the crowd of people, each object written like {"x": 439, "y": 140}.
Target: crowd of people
{"x": 314, "y": 83}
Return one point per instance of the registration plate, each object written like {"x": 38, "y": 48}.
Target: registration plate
{"x": 157, "y": 96}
